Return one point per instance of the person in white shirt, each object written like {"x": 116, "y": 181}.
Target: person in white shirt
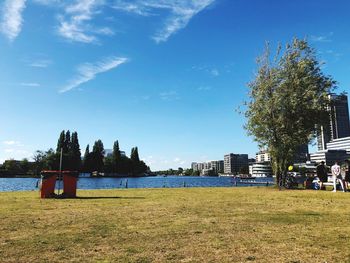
{"x": 336, "y": 176}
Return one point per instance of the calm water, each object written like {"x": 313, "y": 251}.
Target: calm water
{"x": 28, "y": 184}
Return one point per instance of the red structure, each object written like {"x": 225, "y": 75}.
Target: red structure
{"x": 70, "y": 184}
{"x": 48, "y": 182}
{"x": 49, "y": 179}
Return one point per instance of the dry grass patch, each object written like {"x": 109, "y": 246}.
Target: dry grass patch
{"x": 177, "y": 225}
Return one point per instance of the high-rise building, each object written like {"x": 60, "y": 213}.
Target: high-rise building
{"x": 217, "y": 166}
{"x": 194, "y": 166}
{"x": 209, "y": 168}
{"x": 234, "y": 162}
{"x": 301, "y": 154}
{"x": 339, "y": 124}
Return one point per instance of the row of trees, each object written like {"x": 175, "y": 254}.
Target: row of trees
{"x": 116, "y": 162}
{"x": 179, "y": 171}
{"x": 95, "y": 160}
{"x": 23, "y": 167}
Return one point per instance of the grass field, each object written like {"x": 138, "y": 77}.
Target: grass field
{"x": 177, "y": 225}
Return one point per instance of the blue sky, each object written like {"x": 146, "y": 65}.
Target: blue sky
{"x": 164, "y": 75}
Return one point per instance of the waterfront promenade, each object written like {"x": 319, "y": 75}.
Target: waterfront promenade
{"x": 176, "y": 225}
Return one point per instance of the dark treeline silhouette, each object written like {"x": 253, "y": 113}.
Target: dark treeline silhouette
{"x": 115, "y": 163}
{"x": 95, "y": 160}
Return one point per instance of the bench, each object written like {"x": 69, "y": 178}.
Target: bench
{"x": 330, "y": 183}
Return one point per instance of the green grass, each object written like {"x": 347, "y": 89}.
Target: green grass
{"x": 177, "y": 225}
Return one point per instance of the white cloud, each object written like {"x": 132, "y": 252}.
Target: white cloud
{"x": 16, "y": 153}
{"x": 209, "y": 69}
{"x": 169, "y": 95}
{"x": 74, "y": 25}
{"x": 88, "y": 71}
{"x": 30, "y": 84}
{"x": 163, "y": 163}
{"x": 204, "y": 88}
{"x": 214, "y": 72}
{"x": 322, "y": 38}
{"x": 47, "y": 2}
{"x": 11, "y": 22}
{"x": 181, "y": 12}
{"x": 11, "y": 142}
{"x": 13, "y": 150}
{"x": 42, "y": 63}
{"x": 136, "y": 8}
{"x": 178, "y": 160}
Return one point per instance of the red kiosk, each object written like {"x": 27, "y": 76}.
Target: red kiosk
{"x": 48, "y": 183}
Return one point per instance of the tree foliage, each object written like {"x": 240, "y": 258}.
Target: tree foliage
{"x": 71, "y": 155}
{"x": 116, "y": 163}
{"x": 116, "y": 157}
{"x": 288, "y": 99}
{"x": 97, "y": 156}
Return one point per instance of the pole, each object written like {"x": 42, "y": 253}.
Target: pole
{"x": 60, "y": 175}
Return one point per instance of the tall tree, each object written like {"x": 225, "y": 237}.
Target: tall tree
{"x": 38, "y": 157}
{"x": 116, "y": 157}
{"x": 288, "y": 99}
{"x": 67, "y": 143}
{"x": 135, "y": 155}
{"x": 87, "y": 160}
{"x": 74, "y": 153}
{"x": 61, "y": 141}
{"x": 97, "y": 156}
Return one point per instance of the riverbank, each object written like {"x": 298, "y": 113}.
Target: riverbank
{"x": 19, "y": 176}
{"x": 174, "y": 225}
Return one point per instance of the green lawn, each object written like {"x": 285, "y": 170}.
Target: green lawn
{"x": 177, "y": 225}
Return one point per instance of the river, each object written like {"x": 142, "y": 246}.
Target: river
{"x": 29, "y": 184}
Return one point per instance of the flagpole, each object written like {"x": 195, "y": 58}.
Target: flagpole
{"x": 60, "y": 174}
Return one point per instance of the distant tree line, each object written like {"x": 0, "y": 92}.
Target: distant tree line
{"x": 115, "y": 163}
{"x": 179, "y": 171}
{"x": 92, "y": 161}
{"x": 23, "y": 167}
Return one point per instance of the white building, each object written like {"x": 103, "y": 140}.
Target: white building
{"x": 339, "y": 144}
{"x": 261, "y": 169}
{"x": 329, "y": 156}
{"x": 263, "y": 156}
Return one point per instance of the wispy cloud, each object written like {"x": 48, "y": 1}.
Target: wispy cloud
{"x": 74, "y": 24}
{"x": 11, "y": 21}
{"x": 169, "y": 95}
{"x": 42, "y": 63}
{"x": 137, "y": 8}
{"x": 47, "y": 2}
{"x": 13, "y": 149}
{"x": 88, "y": 71}
{"x": 215, "y": 72}
{"x": 204, "y": 88}
{"x": 12, "y": 142}
{"x": 162, "y": 163}
{"x": 15, "y": 152}
{"x": 322, "y": 38}
{"x": 178, "y": 160}
{"x": 181, "y": 12}
{"x": 30, "y": 84}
